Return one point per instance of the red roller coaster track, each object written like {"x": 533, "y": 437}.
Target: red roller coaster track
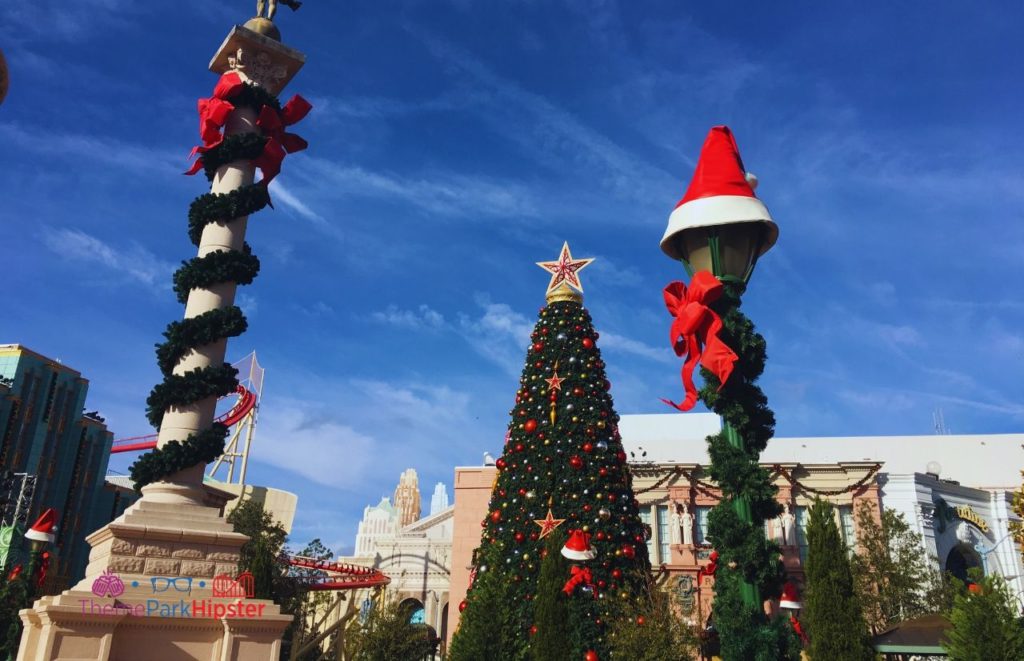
{"x": 338, "y": 575}
{"x": 246, "y": 402}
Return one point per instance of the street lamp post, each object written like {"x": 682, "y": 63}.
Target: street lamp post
{"x": 720, "y": 227}
{"x": 726, "y": 241}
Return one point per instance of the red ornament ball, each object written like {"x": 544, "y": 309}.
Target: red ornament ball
{"x": 587, "y": 343}
{"x": 640, "y": 620}
{"x": 576, "y": 462}
{"x": 462, "y": 605}
{"x": 496, "y": 516}
{"x": 628, "y": 551}
{"x": 588, "y": 447}
{"x": 577, "y": 391}
{"x": 616, "y": 574}
{"x": 533, "y": 630}
{"x": 621, "y": 456}
{"x": 538, "y": 346}
{"x": 500, "y": 463}
{"x": 591, "y": 655}
{"x": 530, "y": 426}
{"x": 520, "y": 537}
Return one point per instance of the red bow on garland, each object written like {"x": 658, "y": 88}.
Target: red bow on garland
{"x": 214, "y": 111}
{"x": 580, "y": 576}
{"x": 709, "y": 569}
{"x": 798, "y": 629}
{"x": 694, "y": 332}
{"x": 280, "y": 142}
{"x": 44, "y": 564}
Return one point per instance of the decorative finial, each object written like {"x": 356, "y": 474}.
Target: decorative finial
{"x": 565, "y": 283}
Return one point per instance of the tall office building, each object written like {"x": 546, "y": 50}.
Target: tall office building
{"x": 46, "y": 438}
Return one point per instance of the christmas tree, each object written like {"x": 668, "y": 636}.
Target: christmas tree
{"x": 563, "y": 467}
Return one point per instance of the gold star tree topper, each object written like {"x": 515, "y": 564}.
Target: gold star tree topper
{"x": 565, "y": 282}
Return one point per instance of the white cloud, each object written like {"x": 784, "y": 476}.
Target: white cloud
{"x": 284, "y": 196}
{"x": 624, "y": 344}
{"x": 500, "y": 334}
{"x": 132, "y": 261}
{"x": 423, "y": 317}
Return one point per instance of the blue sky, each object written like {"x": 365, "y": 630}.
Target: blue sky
{"x": 455, "y": 143}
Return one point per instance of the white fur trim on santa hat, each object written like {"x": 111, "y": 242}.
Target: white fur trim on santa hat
{"x": 40, "y": 536}
{"x": 589, "y": 554}
{"x": 717, "y": 210}
{"x": 791, "y": 605}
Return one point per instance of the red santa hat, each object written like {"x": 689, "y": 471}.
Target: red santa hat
{"x": 790, "y": 597}
{"x": 578, "y": 547}
{"x": 720, "y": 193}
{"x": 42, "y": 529}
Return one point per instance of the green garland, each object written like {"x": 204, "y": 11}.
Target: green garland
{"x": 188, "y": 334}
{"x": 223, "y": 207}
{"x": 192, "y": 386}
{"x": 201, "y": 447}
{"x": 746, "y": 554}
{"x": 181, "y": 337}
{"x": 235, "y": 266}
{"x": 237, "y": 147}
{"x": 255, "y": 97}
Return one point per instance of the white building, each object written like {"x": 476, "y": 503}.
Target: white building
{"x": 955, "y": 490}
{"x": 416, "y": 557}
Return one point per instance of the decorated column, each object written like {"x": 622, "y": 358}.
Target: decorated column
{"x": 719, "y": 230}
{"x": 155, "y": 583}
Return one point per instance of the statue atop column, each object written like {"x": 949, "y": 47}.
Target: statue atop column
{"x": 267, "y": 8}
{"x": 687, "y": 519}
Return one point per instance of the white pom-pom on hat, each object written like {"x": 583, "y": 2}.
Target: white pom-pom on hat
{"x": 751, "y": 179}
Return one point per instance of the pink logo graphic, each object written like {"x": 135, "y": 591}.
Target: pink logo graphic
{"x": 108, "y": 584}
{"x": 226, "y": 587}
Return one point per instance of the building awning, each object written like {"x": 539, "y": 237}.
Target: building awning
{"x": 921, "y": 635}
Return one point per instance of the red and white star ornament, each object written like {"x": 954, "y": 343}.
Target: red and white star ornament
{"x": 554, "y": 383}
{"x": 720, "y": 193}
{"x": 548, "y": 524}
{"x": 565, "y": 270}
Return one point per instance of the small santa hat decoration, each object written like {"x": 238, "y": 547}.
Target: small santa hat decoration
{"x": 720, "y": 193}
{"x": 790, "y": 598}
{"x": 42, "y": 529}
{"x": 578, "y": 547}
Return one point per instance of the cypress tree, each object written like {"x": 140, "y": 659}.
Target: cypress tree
{"x": 551, "y": 613}
{"x": 832, "y": 612}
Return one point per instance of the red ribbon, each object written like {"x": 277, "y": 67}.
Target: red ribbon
{"x": 43, "y": 566}
{"x": 279, "y": 142}
{"x": 709, "y": 569}
{"x": 694, "y": 332}
{"x": 798, "y": 629}
{"x": 214, "y": 112}
{"x": 580, "y": 576}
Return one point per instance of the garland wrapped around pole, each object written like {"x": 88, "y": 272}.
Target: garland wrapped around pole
{"x": 264, "y": 149}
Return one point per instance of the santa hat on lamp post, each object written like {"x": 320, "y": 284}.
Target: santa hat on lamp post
{"x": 42, "y": 529}
{"x": 578, "y": 547}
{"x": 720, "y": 193}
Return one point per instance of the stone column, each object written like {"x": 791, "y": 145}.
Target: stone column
{"x": 167, "y": 548}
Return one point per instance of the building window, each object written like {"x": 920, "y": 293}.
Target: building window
{"x": 801, "y": 532}
{"x": 664, "y": 554}
{"x": 846, "y": 526}
{"x": 49, "y": 397}
{"x": 701, "y": 532}
{"x": 645, "y": 517}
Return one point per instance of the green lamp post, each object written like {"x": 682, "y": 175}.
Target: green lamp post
{"x": 721, "y": 227}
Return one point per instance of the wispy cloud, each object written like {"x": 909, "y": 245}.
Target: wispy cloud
{"x": 282, "y": 194}
{"x": 132, "y": 262}
{"x": 499, "y": 334}
{"x": 82, "y": 148}
{"x": 448, "y": 194}
{"x": 619, "y": 343}
{"x": 423, "y": 317}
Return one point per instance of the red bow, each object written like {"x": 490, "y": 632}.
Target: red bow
{"x": 580, "y": 576}
{"x": 43, "y": 566}
{"x": 280, "y": 142}
{"x": 213, "y": 113}
{"x": 798, "y": 629}
{"x": 694, "y": 332}
{"x": 709, "y": 569}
